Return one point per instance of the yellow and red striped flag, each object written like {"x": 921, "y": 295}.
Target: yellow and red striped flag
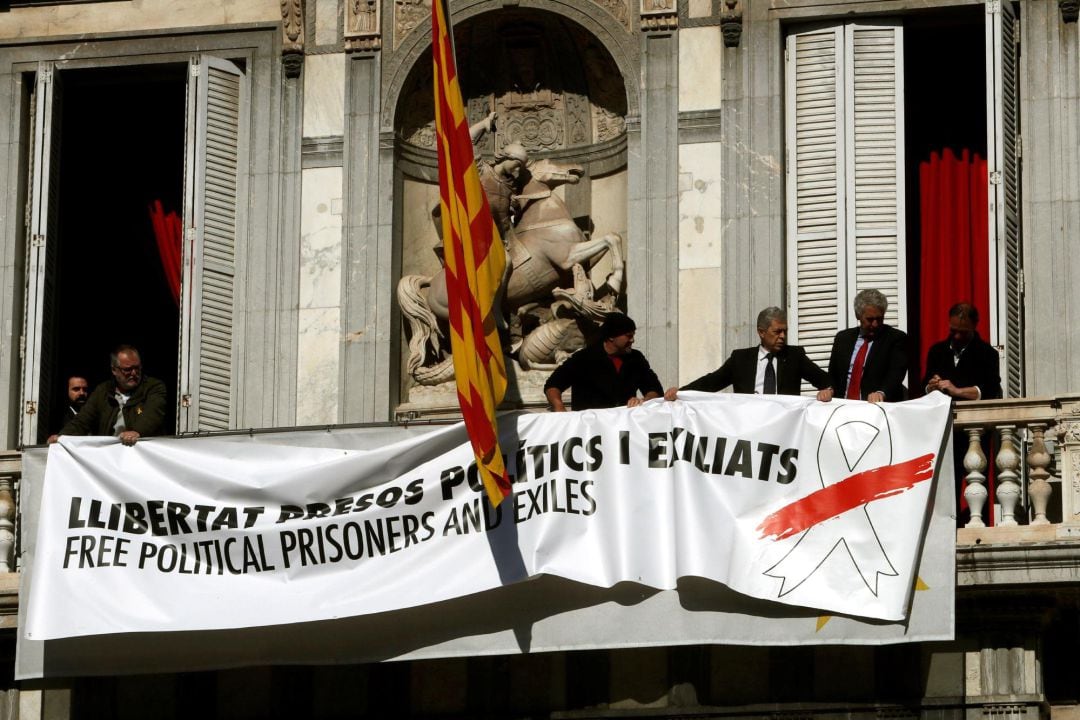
{"x": 475, "y": 261}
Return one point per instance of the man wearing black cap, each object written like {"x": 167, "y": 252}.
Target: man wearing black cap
{"x": 606, "y": 374}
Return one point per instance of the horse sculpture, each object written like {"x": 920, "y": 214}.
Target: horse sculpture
{"x": 547, "y": 258}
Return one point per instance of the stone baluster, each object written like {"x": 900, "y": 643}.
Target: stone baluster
{"x": 975, "y": 482}
{"x": 1008, "y": 486}
{"x": 7, "y": 524}
{"x": 1039, "y": 488}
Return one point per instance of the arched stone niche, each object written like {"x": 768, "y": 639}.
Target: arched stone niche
{"x": 558, "y": 92}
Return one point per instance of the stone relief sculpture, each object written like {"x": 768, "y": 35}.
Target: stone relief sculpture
{"x": 653, "y": 6}
{"x": 557, "y": 93}
{"x": 407, "y": 15}
{"x": 549, "y": 293}
{"x": 362, "y": 17}
{"x": 619, "y": 8}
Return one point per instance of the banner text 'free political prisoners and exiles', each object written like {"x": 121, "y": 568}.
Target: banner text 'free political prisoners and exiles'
{"x": 820, "y": 505}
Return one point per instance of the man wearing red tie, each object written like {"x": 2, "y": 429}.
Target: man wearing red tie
{"x": 869, "y": 362}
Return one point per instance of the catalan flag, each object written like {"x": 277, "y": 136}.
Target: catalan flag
{"x": 475, "y": 261}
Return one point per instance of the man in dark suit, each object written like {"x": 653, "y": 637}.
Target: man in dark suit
{"x": 771, "y": 368}
{"x": 963, "y": 365}
{"x": 869, "y": 362}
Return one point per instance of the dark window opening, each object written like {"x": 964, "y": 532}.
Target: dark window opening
{"x": 121, "y": 140}
{"x": 945, "y": 111}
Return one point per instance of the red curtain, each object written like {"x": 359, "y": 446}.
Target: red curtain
{"x": 168, "y": 230}
{"x": 955, "y": 263}
{"x": 955, "y": 256}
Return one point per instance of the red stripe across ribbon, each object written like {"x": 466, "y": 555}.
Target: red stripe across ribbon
{"x": 848, "y": 494}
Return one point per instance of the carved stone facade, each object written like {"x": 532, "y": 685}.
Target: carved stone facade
{"x": 408, "y": 14}
{"x": 552, "y": 86}
{"x": 1070, "y": 10}
{"x": 731, "y": 19}
{"x": 619, "y": 9}
{"x": 659, "y": 15}
{"x": 363, "y": 29}
{"x": 555, "y": 91}
{"x": 292, "y": 36}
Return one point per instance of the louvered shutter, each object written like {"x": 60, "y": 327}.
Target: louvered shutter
{"x": 845, "y": 177}
{"x": 216, "y": 108}
{"x": 38, "y": 381}
{"x": 815, "y": 172}
{"x": 1003, "y": 165}
{"x": 874, "y": 139}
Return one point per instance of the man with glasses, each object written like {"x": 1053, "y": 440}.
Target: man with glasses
{"x": 129, "y": 406}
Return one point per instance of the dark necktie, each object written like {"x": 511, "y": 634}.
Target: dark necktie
{"x": 769, "y": 387}
{"x": 854, "y": 389}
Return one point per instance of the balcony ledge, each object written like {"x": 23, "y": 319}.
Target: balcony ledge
{"x": 1027, "y": 555}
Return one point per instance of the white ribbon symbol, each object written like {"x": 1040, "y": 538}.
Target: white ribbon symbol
{"x": 856, "y": 438}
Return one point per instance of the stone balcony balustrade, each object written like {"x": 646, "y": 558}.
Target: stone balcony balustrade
{"x": 1022, "y": 432}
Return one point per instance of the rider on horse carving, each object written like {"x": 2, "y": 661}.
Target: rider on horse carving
{"x": 547, "y": 257}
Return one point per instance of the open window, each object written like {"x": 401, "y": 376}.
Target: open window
{"x": 867, "y": 123}
{"x": 97, "y": 274}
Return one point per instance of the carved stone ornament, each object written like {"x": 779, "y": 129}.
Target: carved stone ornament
{"x": 1070, "y": 10}
{"x": 292, "y": 37}
{"x": 620, "y": 9}
{"x": 408, "y": 14}
{"x": 362, "y": 28}
{"x": 292, "y": 24}
{"x": 1069, "y": 432}
{"x": 554, "y": 291}
{"x": 731, "y": 19}
{"x": 292, "y": 63}
{"x": 659, "y": 16}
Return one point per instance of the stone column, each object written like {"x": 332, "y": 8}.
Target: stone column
{"x": 368, "y": 333}
{"x": 652, "y": 198}
{"x": 287, "y": 278}
{"x": 1049, "y": 116}
{"x": 752, "y": 132}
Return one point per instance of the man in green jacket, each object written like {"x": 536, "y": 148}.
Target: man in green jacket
{"x": 129, "y": 406}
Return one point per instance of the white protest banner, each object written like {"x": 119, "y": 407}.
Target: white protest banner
{"x": 819, "y": 505}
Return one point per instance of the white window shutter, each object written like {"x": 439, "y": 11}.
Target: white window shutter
{"x": 815, "y": 181}
{"x": 874, "y": 138}
{"x": 1003, "y": 166}
{"x": 38, "y": 381}
{"x": 216, "y": 110}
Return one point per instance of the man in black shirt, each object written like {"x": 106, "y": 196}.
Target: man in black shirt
{"x": 606, "y": 374}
